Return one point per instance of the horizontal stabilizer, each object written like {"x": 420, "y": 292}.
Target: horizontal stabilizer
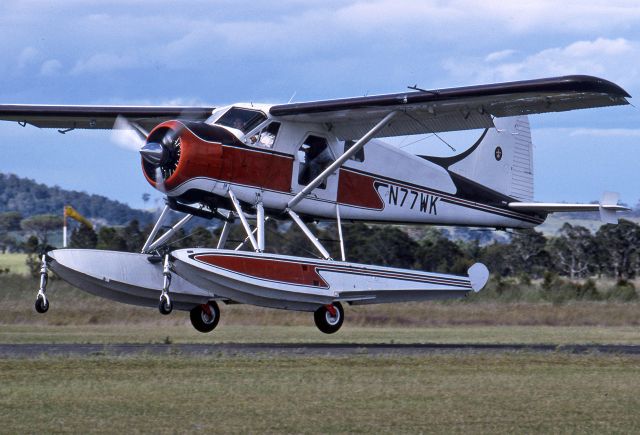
{"x": 608, "y": 207}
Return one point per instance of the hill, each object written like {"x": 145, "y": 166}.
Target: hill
{"x": 31, "y": 198}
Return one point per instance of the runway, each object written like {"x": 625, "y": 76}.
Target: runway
{"x": 300, "y": 349}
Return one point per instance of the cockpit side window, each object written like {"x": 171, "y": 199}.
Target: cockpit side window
{"x": 241, "y": 119}
{"x": 266, "y": 137}
{"x": 359, "y": 155}
{"x": 314, "y": 156}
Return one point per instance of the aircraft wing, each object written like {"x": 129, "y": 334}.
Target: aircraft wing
{"x": 454, "y": 108}
{"x": 97, "y": 117}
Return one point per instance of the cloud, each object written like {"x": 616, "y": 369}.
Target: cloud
{"x": 27, "y": 56}
{"x": 50, "y": 67}
{"x": 614, "y": 59}
{"x": 606, "y": 132}
{"x": 498, "y": 55}
{"x": 104, "y": 62}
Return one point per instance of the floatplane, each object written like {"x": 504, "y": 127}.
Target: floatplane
{"x": 317, "y": 161}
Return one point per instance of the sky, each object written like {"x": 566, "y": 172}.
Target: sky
{"x": 220, "y": 52}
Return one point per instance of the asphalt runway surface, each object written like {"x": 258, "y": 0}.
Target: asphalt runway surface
{"x": 301, "y": 349}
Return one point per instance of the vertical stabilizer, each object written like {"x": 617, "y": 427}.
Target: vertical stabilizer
{"x": 503, "y": 159}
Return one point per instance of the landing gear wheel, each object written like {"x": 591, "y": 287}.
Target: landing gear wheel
{"x": 205, "y": 317}
{"x": 329, "y": 318}
{"x": 165, "y": 306}
{"x": 42, "y": 305}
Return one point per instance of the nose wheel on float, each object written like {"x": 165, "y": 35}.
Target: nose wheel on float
{"x": 329, "y": 318}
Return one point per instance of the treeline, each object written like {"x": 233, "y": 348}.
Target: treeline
{"x": 575, "y": 252}
{"x": 29, "y": 198}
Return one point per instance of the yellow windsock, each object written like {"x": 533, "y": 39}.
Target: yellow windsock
{"x": 73, "y": 214}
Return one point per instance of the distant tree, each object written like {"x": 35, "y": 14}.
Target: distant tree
{"x": 481, "y": 236}
{"x": 294, "y": 242}
{"x": 201, "y": 238}
{"x": 108, "y": 238}
{"x": 8, "y": 243}
{"x": 83, "y": 237}
{"x": 573, "y": 251}
{"x": 42, "y": 225}
{"x": 619, "y": 249}
{"x": 10, "y": 221}
{"x": 527, "y": 252}
{"x": 441, "y": 255}
{"x": 496, "y": 257}
{"x": 30, "y": 245}
{"x": 380, "y": 245}
{"x": 134, "y": 238}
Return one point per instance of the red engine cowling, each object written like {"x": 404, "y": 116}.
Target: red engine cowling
{"x": 178, "y": 151}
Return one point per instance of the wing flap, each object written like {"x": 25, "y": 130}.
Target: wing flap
{"x": 413, "y": 122}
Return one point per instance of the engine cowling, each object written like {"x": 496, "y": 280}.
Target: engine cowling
{"x": 176, "y": 151}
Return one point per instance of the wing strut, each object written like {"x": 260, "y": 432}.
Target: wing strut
{"x": 339, "y": 224}
{"x": 340, "y": 160}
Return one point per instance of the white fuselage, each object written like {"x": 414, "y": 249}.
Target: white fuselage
{"x": 386, "y": 184}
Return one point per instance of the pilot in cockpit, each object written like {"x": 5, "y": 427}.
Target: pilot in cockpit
{"x": 238, "y": 124}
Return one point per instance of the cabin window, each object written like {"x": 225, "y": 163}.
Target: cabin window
{"x": 265, "y": 137}
{"x": 242, "y": 119}
{"x": 314, "y": 156}
{"x": 359, "y": 156}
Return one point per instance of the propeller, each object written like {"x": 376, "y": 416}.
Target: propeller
{"x": 128, "y": 135}
{"x": 159, "y": 150}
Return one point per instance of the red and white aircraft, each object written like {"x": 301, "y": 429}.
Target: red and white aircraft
{"x": 317, "y": 161}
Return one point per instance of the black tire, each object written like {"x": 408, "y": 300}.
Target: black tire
{"x": 327, "y": 323}
{"x": 165, "y": 306}
{"x": 202, "y": 321}
{"x": 41, "y": 305}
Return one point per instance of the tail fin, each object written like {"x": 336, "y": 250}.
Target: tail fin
{"x": 502, "y": 159}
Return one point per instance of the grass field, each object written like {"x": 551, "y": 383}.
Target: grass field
{"x": 14, "y": 262}
{"x": 70, "y": 306}
{"x": 184, "y": 333}
{"x": 459, "y": 392}
{"x": 477, "y": 393}
{"x": 77, "y": 317}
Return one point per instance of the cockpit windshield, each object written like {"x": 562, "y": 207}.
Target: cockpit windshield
{"x": 241, "y": 119}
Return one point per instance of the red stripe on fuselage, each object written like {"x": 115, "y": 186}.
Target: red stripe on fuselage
{"x": 358, "y": 190}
